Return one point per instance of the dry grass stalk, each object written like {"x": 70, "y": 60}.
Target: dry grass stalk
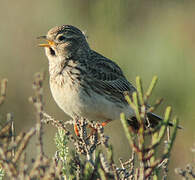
{"x": 92, "y": 155}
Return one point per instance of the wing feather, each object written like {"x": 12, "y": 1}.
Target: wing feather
{"x": 107, "y": 77}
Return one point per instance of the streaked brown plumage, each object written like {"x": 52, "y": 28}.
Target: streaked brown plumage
{"x": 83, "y": 82}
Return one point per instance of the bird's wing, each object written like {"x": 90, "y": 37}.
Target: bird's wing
{"x": 107, "y": 77}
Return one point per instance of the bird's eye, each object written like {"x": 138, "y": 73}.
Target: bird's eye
{"x": 61, "y": 38}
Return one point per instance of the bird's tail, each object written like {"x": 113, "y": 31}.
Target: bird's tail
{"x": 152, "y": 121}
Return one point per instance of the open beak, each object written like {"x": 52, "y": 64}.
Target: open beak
{"x": 50, "y": 42}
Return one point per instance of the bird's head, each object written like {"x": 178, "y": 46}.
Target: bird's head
{"x": 64, "y": 42}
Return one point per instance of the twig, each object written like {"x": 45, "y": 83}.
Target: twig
{"x": 3, "y": 87}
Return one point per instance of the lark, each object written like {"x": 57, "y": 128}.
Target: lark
{"x": 83, "y": 82}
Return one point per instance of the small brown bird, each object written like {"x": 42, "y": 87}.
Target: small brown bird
{"x": 83, "y": 82}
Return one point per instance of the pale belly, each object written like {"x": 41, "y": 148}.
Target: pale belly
{"x": 75, "y": 102}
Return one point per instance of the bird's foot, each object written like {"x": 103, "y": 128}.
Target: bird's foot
{"x": 93, "y": 130}
{"x": 105, "y": 122}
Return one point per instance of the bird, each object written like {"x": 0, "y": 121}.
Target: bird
{"x": 85, "y": 83}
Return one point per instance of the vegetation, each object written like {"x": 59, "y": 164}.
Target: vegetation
{"x": 89, "y": 155}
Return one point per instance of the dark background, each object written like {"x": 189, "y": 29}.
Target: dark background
{"x": 145, "y": 38}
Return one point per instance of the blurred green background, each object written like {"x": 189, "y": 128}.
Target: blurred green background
{"x": 145, "y": 38}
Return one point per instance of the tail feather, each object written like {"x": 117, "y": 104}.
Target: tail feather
{"x": 152, "y": 121}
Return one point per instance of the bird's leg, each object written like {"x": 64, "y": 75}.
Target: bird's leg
{"x": 76, "y": 124}
{"x": 103, "y": 124}
{"x": 106, "y": 122}
{"x": 76, "y": 130}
